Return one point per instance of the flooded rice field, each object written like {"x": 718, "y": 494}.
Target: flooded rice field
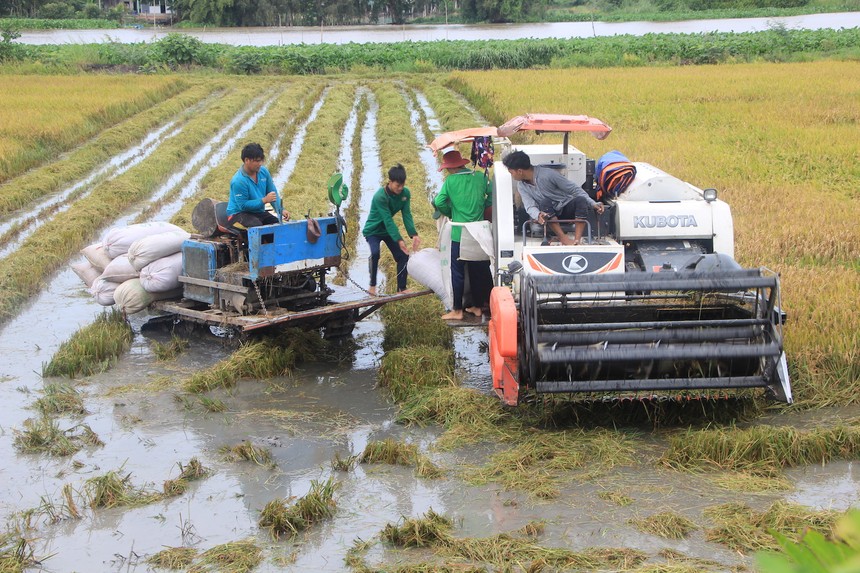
{"x": 329, "y": 408}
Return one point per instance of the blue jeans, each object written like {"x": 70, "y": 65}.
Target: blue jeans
{"x": 480, "y": 279}
{"x": 400, "y": 258}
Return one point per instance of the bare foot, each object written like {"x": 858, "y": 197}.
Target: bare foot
{"x": 405, "y": 291}
{"x": 476, "y": 310}
{"x": 565, "y": 240}
{"x": 453, "y": 315}
{"x": 371, "y": 291}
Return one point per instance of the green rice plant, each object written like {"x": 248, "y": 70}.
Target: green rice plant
{"x": 232, "y": 557}
{"x": 410, "y": 370}
{"x": 742, "y": 529}
{"x": 246, "y": 451}
{"x": 191, "y": 471}
{"x": 389, "y": 451}
{"x": 816, "y": 553}
{"x": 289, "y": 521}
{"x": 401, "y": 322}
{"x": 44, "y": 435}
{"x": 16, "y": 553}
{"x": 260, "y": 360}
{"x": 113, "y": 490}
{"x": 169, "y": 350}
{"x": 429, "y": 530}
{"x": 666, "y": 524}
{"x": 760, "y": 450}
{"x": 173, "y": 558}
{"x": 616, "y": 497}
{"x": 212, "y": 404}
{"x": 60, "y": 398}
{"x": 93, "y": 348}
{"x": 343, "y": 464}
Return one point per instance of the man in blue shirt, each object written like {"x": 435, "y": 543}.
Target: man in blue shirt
{"x": 251, "y": 189}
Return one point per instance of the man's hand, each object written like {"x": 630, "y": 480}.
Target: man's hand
{"x": 403, "y": 246}
{"x": 286, "y": 215}
{"x": 416, "y": 242}
{"x": 599, "y": 208}
{"x": 270, "y": 198}
{"x": 541, "y": 218}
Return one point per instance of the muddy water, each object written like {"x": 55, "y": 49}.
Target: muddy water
{"x": 277, "y": 36}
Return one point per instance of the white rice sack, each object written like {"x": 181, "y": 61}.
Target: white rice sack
{"x": 149, "y": 249}
{"x": 162, "y": 275}
{"x": 130, "y": 296}
{"x": 103, "y": 291}
{"x": 86, "y": 272}
{"x": 119, "y": 270}
{"x": 425, "y": 267}
{"x": 97, "y": 256}
{"x": 119, "y": 239}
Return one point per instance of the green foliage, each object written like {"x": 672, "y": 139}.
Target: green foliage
{"x": 178, "y": 50}
{"x": 815, "y": 553}
{"x": 57, "y": 11}
{"x": 243, "y": 61}
{"x": 8, "y": 33}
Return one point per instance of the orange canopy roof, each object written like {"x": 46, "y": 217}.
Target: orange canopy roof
{"x": 454, "y": 137}
{"x": 554, "y": 123}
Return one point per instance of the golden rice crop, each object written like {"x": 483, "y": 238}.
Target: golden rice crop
{"x": 49, "y": 116}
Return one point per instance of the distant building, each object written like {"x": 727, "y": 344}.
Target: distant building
{"x": 140, "y": 6}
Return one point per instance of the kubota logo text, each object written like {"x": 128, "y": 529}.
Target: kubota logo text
{"x": 652, "y": 221}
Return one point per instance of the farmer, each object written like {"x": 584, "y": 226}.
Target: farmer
{"x": 251, "y": 189}
{"x": 380, "y": 226}
{"x": 463, "y": 197}
{"x": 549, "y": 196}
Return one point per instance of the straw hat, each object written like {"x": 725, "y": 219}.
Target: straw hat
{"x": 452, "y": 160}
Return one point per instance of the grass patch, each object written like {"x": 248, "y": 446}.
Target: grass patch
{"x": 113, "y": 490}
{"x": 60, "y": 398}
{"x": 542, "y": 462}
{"x": 169, "y": 350}
{"x": 93, "y": 348}
{"x": 173, "y": 558}
{"x": 760, "y": 450}
{"x": 406, "y": 371}
{"x": 743, "y": 482}
{"x": 389, "y": 451}
{"x": 16, "y": 553}
{"x": 429, "y": 530}
{"x": 289, "y": 521}
{"x": 742, "y": 529}
{"x": 213, "y": 405}
{"x": 194, "y": 470}
{"x": 232, "y": 557}
{"x": 44, "y": 435}
{"x": 401, "y": 318}
{"x": 259, "y": 360}
{"x": 346, "y": 464}
{"x": 246, "y": 451}
{"x": 665, "y": 524}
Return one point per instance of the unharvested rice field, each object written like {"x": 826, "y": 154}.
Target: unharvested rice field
{"x": 79, "y": 154}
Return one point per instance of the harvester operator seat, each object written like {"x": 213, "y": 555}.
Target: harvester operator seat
{"x": 221, "y": 219}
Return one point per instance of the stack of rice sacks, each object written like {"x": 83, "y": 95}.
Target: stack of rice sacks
{"x": 134, "y": 266}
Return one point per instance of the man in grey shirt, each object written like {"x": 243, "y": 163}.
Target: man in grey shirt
{"x": 549, "y": 196}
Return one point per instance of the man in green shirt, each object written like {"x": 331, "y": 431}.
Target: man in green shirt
{"x": 463, "y": 197}
{"x": 381, "y": 228}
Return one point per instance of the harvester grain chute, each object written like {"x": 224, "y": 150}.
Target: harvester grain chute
{"x": 651, "y": 301}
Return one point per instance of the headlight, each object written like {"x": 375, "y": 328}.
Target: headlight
{"x": 710, "y": 195}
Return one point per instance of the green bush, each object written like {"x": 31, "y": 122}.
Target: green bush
{"x": 178, "y": 50}
{"x": 57, "y": 11}
{"x": 91, "y": 11}
{"x": 245, "y": 62}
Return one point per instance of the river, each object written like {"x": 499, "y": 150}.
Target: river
{"x": 277, "y": 36}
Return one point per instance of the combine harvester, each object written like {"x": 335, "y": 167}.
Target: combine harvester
{"x": 281, "y": 281}
{"x": 652, "y": 301}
